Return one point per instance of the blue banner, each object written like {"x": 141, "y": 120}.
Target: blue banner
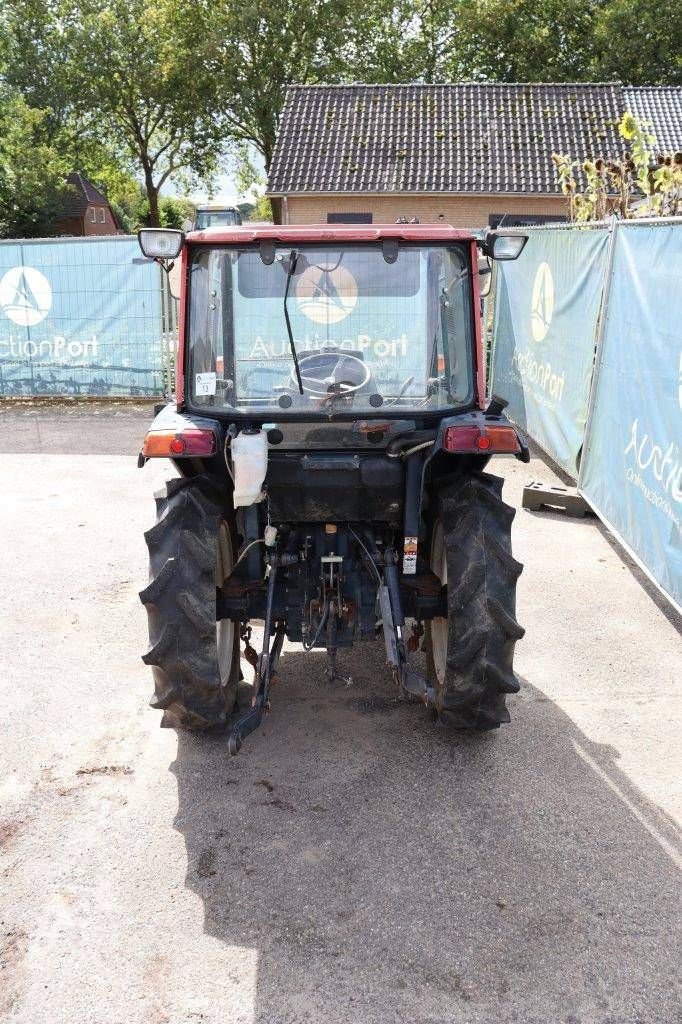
{"x": 79, "y": 316}
{"x": 546, "y": 313}
{"x": 632, "y": 469}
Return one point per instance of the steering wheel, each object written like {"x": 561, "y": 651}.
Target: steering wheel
{"x": 324, "y": 373}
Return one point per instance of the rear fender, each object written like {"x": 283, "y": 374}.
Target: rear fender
{"x": 441, "y": 463}
{"x": 202, "y": 439}
{"x": 477, "y": 425}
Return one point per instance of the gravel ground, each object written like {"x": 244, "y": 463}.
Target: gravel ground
{"x": 354, "y": 863}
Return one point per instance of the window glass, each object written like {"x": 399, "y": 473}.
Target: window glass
{"x": 349, "y": 218}
{"x": 216, "y": 218}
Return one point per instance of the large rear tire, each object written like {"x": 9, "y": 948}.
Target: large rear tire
{"x": 194, "y": 658}
{"x": 470, "y": 654}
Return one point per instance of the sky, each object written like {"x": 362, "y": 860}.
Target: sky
{"x": 226, "y": 187}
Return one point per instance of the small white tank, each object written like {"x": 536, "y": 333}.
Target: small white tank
{"x": 250, "y": 464}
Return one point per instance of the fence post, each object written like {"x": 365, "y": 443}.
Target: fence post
{"x": 598, "y": 355}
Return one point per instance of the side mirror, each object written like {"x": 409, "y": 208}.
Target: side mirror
{"x": 161, "y": 243}
{"x": 505, "y": 245}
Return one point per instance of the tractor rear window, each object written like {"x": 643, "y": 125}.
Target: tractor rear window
{"x": 368, "y": 334}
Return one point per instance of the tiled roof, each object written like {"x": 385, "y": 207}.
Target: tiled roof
{"x": 472, "y": 137}
{"x": 661, "y": 105}
{"x": 80, "y": 195}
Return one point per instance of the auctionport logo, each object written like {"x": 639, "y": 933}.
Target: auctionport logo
{"x": 25, "y": 296}
{"x": 542, "y": 302}
{"x": 326, "y": 295}
{"x": 659, "y": 458}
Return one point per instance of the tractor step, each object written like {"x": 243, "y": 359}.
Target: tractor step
{"x": 555, "y": 497}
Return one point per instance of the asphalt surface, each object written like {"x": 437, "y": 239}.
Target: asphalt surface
{"x": 355, "y": 863}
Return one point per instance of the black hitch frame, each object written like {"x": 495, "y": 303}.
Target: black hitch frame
{"x": 393, "y": 621}
{"x": 265, "y": 670}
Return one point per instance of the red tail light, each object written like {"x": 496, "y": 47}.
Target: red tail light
{"x": 168, "y": 443}
{"x": 493, "y": 440}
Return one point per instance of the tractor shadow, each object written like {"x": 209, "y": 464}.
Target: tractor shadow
{"x": 387, "y": 871}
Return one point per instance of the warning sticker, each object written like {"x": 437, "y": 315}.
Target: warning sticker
{"x": 410, "y": 556}
{"x": 205, "y": 384}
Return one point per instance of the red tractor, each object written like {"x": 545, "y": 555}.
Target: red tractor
{"x": 331, "y": 433}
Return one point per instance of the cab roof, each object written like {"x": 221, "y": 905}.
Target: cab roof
{"x": 331, "y": 233}
{"x": 216, "y": 207}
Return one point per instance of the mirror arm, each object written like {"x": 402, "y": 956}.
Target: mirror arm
{"x": 163, "y": 264}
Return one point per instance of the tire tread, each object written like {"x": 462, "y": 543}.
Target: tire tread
{"x": 482, "y": 624}
{"x": 180, "y": 600}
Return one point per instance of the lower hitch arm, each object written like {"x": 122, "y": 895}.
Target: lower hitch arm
{"x": 393, "y": 621}
{"x": 252, "y": 718}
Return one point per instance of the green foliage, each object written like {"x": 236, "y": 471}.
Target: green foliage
{"x": 631, "y": 41}
{"x": 262, "y": 209}
{"x": 638, "y": 42}
{"x": 246, "y": 174}
{"x": 175, "y": 212}
{"x": 392, "y": 41}
{"x": 525, "y": 40}
{"x": 120, "y": 72}
{"x": 250, "y": 181}
{"x": 32, "y": 171}
{"x": 619, "y": 186}
{"x": 257, "y": 50}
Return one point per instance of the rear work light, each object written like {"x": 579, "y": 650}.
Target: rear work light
{"x": 159, "y": 444}
{"x": 493, "y": 440}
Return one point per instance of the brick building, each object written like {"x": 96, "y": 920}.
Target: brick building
{"x": 469, "y": 154}
{"x": 85, "y": 210}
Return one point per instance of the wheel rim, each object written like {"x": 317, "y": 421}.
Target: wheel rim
{"x": 439, "y": 626}
{"x": 224, "y": 627}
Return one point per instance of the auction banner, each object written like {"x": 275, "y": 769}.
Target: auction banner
{"x": 546, "y": 314}
{"x": 632, "y": 469}
{"x": 79, "y": 316}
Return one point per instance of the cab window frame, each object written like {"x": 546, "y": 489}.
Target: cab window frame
{"x": 401, "y": 412}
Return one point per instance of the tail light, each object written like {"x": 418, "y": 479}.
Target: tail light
{"x": 188, "y": 443}
{"x": 493, "y": 440}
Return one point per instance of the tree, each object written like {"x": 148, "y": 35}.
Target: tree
{"x": 406, "y": 40}
{"x": 162, "y": 89}
{"x": 631, "y": 41}
{"x": 39, "y": 63}
{"x": 639, "y": 42}
{"x": 258, "y": 49}
{"x": 250, "y": 182}
{"x": 176, "y": 212}
{"x": 32, "y": 171}
{"x": 120, "y": 72}
{"x": 525, "y": 41}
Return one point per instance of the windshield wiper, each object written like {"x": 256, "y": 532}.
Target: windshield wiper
{"x": 293, "y": 259}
